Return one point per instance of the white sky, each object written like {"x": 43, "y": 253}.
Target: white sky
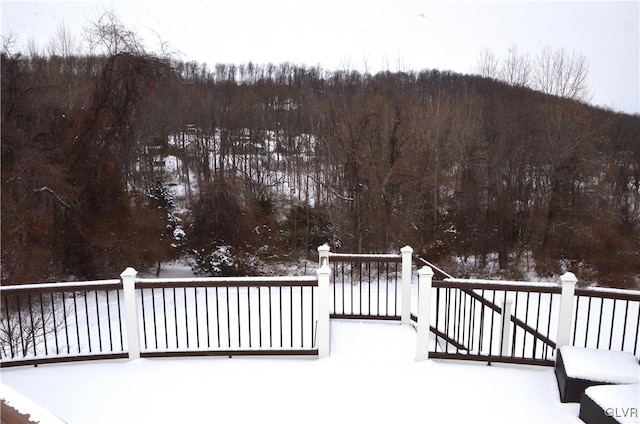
{"x": 371, "y": 34}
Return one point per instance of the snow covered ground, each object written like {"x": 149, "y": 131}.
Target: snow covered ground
{"x": 371, "y": 377}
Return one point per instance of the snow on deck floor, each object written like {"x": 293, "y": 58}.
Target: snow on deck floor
{"x": 371, "y": 377}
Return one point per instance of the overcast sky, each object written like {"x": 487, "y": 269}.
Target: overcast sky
{"x": 368, "y": 34}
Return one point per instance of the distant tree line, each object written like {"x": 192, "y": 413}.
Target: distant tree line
{"x": 276, "y": 159}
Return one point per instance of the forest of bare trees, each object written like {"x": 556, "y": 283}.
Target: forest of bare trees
{"x": 274, "y": 160}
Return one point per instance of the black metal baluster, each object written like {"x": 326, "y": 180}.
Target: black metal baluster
{"x": 342, "y": 278}
{"x": 386, "y": 290}
{"x": 175, "y": 316}
{"x": 239, "y": 317}
{"x": 44, "y": 329}
{"x": 291, "y": 314}
{"x": 9, "y": 329}
{"x": 66, "y": 324}
{"x": 447, "y": 316}
{"x": 206, "y": 305}
{"x": 153, "y": 317}
{"x": 515, "y": 327}
{"x": 281, "y": 328}
{"x": 109, "y": 321}
{"x": 351, "y": 286}
{"x": 547, "y": 347}
{"x": 599, "y": 323}
{"x": 19, "y": 307}
{"x": 395, "y": 287}
{"x": 481, "y": 334}
{"x": 378, "y": 288}
{"x": 586, "y": 331}
{"x": 463, "y": 304}
{"x": 164, "y": 318}
{"x": 33, "y": 332}
{"x": 86, "y": 314}
{"x": 535, "y": 339}
{"x": 333, "y": 278}
{"x": 259, "y": 316}
{"x": 472, "y": 327}
{"x": 493, "y": 316}
{"x": 576, "y": 319}
{"x": 360, "y": 287}
{"x": 526, "y": 319}
{"x": 270, "y": 320}
{"x": 249, "y": 312}
{"x": 312, "y": 316}
{"x": 98, "y": 320}
{"x": 75, "y": 312}
{"x": 228, "y": 320}
{"x": 624, "y": 329}
{"x": 55, "y": 324}
{"x": 120, "y": 320}
{"x": 613, "y": 317}
{"x": 186, "y": 317}
{"x": 195, "y": 301}
{"x": 456, "y": 324}
{"x": 144, "y": 318}
{"x": 437, "y": 315}
{"x": 218, "y": 316}
{"x": 368, "y": 266}
{"x": 635, "y": 346}
{"x": 153, "y": 312}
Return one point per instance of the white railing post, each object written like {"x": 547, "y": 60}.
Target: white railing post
{"x": 323, "y": 336}
{"x": 405, "y": 309}
{"x": 425, "y": 277}
{"x": 131, "y": 311}
{"x": 323, "y": 254}
{"x": 505, "y": 326}
{"x": 565, "y": 318}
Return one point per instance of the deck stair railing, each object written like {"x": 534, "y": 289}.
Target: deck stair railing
{"x": 522, "y": 322}
{"x": 463, "y": 295}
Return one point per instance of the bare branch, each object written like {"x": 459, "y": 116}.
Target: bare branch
{"x": 41, "y": 189}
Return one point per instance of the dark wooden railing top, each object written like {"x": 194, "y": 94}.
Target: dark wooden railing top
{"x": 62, "y": 287}
{"x": 152, "y": 283}
{"x": 477, "y": 284}
{"x": 608, "y": 293}
{"x": 349, "y": 257}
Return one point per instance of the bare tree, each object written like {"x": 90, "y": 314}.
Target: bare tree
{"x": 109, "y": 36}
{"x": 561, "y": 74}
{"x": 515, "y": 70}
{"x": 8, "y": 43}
{"x": 488, "y": 64}
{"x": 64, "y": 44}
{"x": 28, "y": 323}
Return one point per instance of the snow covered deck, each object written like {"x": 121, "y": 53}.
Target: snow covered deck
{"x": 371, "y": 376}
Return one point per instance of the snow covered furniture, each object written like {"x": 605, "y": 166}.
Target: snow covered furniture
{"x": 577, "y": 368}
{"x": 619, "y": 403}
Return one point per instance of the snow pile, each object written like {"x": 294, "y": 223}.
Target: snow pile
{"x": 605, "y": 366}
{"x": 621, "y": 401}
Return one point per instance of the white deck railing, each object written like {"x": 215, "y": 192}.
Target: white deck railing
{"x": 486, "y": 320}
